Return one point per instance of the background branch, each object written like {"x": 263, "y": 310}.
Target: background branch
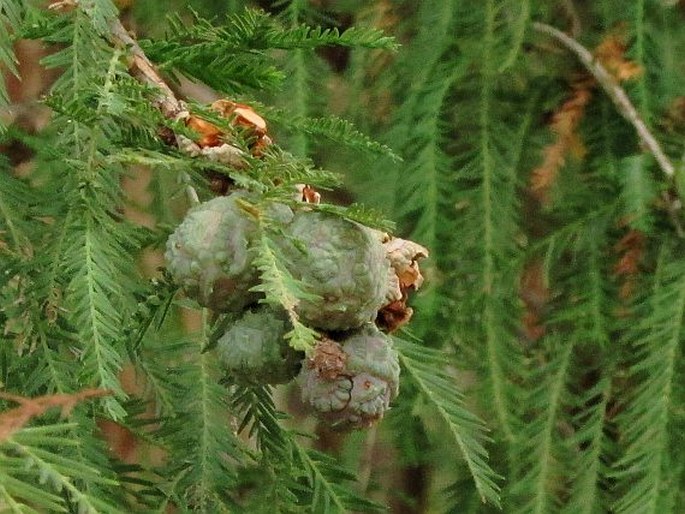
{"x": 626, "y": 109}
{"x": 615, "y": 92}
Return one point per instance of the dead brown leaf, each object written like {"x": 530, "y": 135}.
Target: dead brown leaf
{"x": 14, "y": 419}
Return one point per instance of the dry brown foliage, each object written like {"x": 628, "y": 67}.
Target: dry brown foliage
{"x": 630, "y": 249}
{"x": 565, "y": 121}
{"x": 611, "y": 53}
{"x": 566, "y": 141}
{"x": 535, "y": 294}
{"x": 674, "y": 119}
{"x": 14, "y": 419}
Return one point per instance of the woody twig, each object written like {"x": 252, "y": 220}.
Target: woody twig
{"x": 140, "y": 66}
{"x": 143, "y": 70}
{"x": 14, "y": 419}
{"x": 214, "y": 143}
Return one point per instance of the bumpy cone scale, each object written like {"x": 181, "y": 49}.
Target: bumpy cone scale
{"x": 404, "y": 277}
{"x": 217, "y": 270}
{"x": 208, "y": 255}
{"x": 351, "y": 383}
{"x": 253, "y": 350}
{"x": 342, "y": 264}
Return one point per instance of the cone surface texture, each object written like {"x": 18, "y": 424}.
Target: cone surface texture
{"x": 343, "y": 264}
{"x": 208, "y": 254}
{"x": 253, "y": 349}
{"x": 351, "y": 384}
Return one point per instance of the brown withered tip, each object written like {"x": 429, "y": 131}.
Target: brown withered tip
{"x": 404, "y": 277}
{"x": 241, "y": 116}
{"x": 245, "y": 115}
{"x": 394, "y": 315}
{"x": 307, "y": 194}
{"x": 404, "y": 256}
{"x": 210, "y": 135}
{"x": 328, "y": 359}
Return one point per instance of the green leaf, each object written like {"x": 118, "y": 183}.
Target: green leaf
{"x": 650, "y": 422}
{"x": 313, "y": 481}
{"x": 536, "y": 453}
{"x": 282, "y": 289}
{"x": 15, "y": 199}
{"x": 639, "y": 192}
{"x": 11, "y": 16}
{"x": 325, "y": 478}
{"x": 426, "y": 368}
{"x": 232, "y": 56}
{"x": 94, "y": 263}
{"x": 334, "y": 129}
{"x": 196, "y": 429}
{"x": 33, "y": 456}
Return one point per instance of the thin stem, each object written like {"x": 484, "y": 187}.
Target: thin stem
{"x": 367, "y": 460}
{"x": 572, "y": 14}
{"x": 142, "y": 69}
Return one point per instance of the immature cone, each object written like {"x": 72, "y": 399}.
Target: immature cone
{"x": 351, "y": 384}
{"x": 253, "y": 350}
{"x": 342, "y": 264}
{"x": 208, "y": 254}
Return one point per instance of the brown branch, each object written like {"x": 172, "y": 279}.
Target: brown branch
{"x": 14, "y": 419}
{"x": 140, "y": 66}
{"x": 212, "y": 143}
{"x": 171, "y": 107}
{"x": 143, "y": 70}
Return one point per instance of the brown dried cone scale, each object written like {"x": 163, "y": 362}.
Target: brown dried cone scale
{"x": 404, "y": 277}
{"x": 351, "y": 384}
{"x": 208, "y": 253}
{"x": 213, "y": 143}
{"x": 342, "y": 264}
{"x": 254, "y": 351}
